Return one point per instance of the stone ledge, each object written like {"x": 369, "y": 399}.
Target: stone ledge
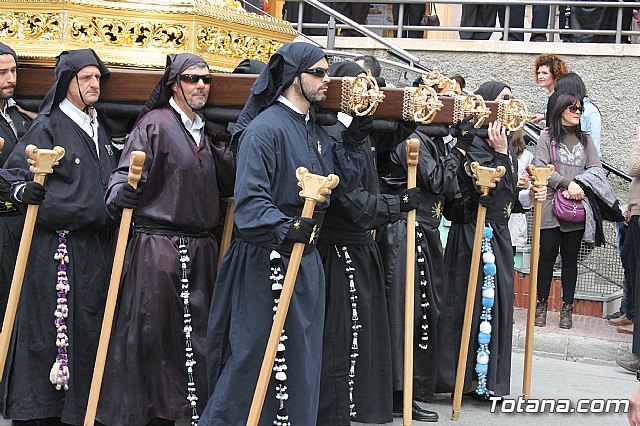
{"x": 487, "y": 46}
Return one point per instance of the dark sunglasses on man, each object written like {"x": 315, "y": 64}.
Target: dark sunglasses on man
{"x": 575, "y": 108}
{"x": 317, "y": 72}
{"x": 194, "y": 78}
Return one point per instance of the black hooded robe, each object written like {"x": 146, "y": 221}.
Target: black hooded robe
{"x": 436, "y": 175}
{"x": 462, "y": 212}
{"x": 272, "y": 147}
{"x": 11, "y": 220}
{"x": 347, "y": 231}
{"x": 145, "y": 375}
{"x": 74, "y": 202}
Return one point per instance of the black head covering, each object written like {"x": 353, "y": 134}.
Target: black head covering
{"x": 249, "y": 66}
{"x": 285, "y": 64}
{"x": 163, "y": 91}
{"x": 6, "y": 50}
{"x": 489, "y": 90}
{"x": 346, "y": 69}
{"x": 68, "y": 64}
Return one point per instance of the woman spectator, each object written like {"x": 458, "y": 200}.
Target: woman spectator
{"x": 548, "y": 70}
{"x": 573, "y": 152}
{"x": 591, "y": 120}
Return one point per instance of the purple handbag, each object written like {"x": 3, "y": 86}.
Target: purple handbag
{"x": 563, "y": 208}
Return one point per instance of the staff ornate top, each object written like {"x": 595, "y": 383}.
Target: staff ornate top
{"x": 140, "y": 33}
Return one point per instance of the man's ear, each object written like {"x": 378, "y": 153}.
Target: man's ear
{"x": 174, "y": 87}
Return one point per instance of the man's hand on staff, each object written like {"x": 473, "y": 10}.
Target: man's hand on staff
{"x": 498, "y": 137}
{"x": 301, "y": 230}
{"x": 31, "y": 193}
{"x": 127, "y": 197}
{"x": 409, "y": 199}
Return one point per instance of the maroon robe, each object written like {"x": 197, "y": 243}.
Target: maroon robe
{"x": 145, "y": 375}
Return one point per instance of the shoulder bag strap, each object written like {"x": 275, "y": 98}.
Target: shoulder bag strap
{"x": 553, "y": 154}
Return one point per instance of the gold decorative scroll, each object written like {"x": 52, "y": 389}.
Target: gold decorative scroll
{"x": 513, "y": 114}
{"x": 420, "y": 104}
{"x": 139, "y": 34}
{"x": 360, "y": 95}
{"x": 470, "y": 105}
{"x": 435, "y": 78}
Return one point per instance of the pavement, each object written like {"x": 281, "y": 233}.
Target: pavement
{"x": 592, "y": 340}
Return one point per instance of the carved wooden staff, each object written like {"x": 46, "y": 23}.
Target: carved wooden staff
{"x": 42, "y": 162}
{"x": 314, "y": 188}
{"x": 486, "y": 178}
{"x": 412, "y": 146}
{"x": 135, "y": 172}
{"x": 227, "y": 231}
{"x": 540, "y": 177}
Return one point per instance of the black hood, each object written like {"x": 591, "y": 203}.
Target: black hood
{"x": 285, "y": 64}
{"x": 68, "y": 64}
{"x": 489, "y": 90}
{"x": 163, "y": 91}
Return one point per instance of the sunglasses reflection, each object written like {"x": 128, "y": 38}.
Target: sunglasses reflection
{"x": 317, "y": 71}
{"x": 194, "y": 78}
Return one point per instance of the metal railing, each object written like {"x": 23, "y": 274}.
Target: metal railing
{"x": 331, "y": 26}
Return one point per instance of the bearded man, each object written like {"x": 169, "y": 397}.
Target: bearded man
{"x": 272, "y": 145}
{"x": 155, "y": 372}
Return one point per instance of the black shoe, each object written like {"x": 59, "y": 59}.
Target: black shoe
{"x": 482, "y": 398}
{"x": 418, "y": 414}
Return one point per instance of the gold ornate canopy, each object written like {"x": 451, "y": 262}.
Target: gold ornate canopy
{"x": 140, "y": 33}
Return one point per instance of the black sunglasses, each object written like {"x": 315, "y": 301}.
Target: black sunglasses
{"x": 194, "y": 78}
{"x": 574, "y": 108}
{"x": 317, "y": 72}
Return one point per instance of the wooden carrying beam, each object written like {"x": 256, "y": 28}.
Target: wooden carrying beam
{"x": 227, "y": 90}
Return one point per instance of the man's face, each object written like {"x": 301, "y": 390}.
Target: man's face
{"x": 8, "y": 76}
{"x": 84, "y": 88}
{"x": 314, "y": 89}
{"x": 194, "y": 91}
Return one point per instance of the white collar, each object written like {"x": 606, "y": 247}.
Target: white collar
{"x": 76, "y": 114}
{"x": 88, "y": 123}
{"x": 288, "y": 103}
{"x": 8, "y": 103}
{"x": 196, "y": 124}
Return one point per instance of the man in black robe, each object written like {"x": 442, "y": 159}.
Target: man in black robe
{"x": 492, "y": 152}
{"x": 65, "y": 285}
{"x": 14, "y": 122}
{"x": 283, "y": 137}
{"x": 436, "y": 178}
{"x": 356, "y": 366}
{"x": 156, "y": 363}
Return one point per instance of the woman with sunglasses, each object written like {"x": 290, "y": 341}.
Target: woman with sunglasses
{"x": 565, "y": 145}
